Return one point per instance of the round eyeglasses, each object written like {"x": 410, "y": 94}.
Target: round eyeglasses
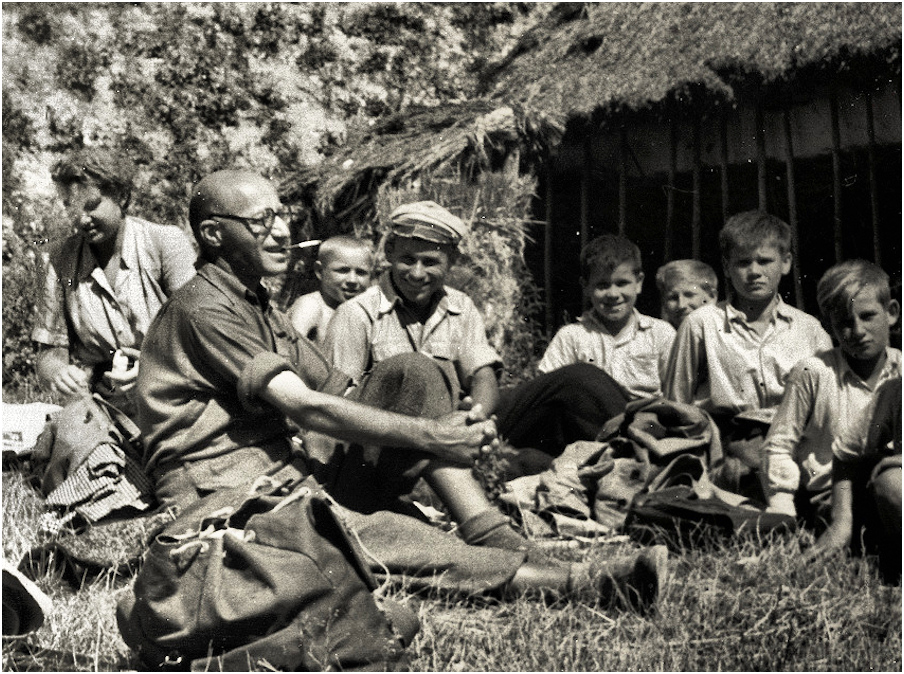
{"x": 260, "y": 226}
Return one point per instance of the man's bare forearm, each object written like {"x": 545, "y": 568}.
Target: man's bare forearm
{"x": 348, "y": 420}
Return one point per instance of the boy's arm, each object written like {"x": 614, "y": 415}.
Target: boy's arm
{"x": 57, "y": 374}
{"x": 348, "y": 342}
{"x": 478, "y": 363}
{"x": 559, "y": 353}
{"x": 178, "y": 259}
{"x": 484, "y": 390}
{"x": 685, "y": 360}
{"x": 781, "y": 474}
{"x": 304, "y": 314}
{"x": 838, "y": 534}
{"x": 665, "y": 342}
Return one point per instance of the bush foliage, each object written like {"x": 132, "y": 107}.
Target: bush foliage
{"x": 188, "y": 88}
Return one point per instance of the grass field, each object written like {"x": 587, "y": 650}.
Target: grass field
{"x": 750, "y": 605}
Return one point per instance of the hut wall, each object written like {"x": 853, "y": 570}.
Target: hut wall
{"x": 647, "y": 187}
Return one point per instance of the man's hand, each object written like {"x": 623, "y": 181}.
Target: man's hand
{"x": 70, "y": 380}
{"x": 123, "y": 379}
{"x": 460, "y": 436}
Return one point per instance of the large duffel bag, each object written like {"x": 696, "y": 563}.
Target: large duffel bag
{"x": 261, "y": 579}
{"x": 681, "y": 508}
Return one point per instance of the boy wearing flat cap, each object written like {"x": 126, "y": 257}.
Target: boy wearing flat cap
{"x": 411, "y": 310}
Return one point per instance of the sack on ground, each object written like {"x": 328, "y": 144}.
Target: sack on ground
{"x": 267, "y": 578}
{"x": 683, "y": 509}
{"x": 92, "y": 452}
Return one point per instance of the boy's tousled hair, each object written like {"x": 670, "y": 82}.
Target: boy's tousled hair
{"x": 606, "y": 252}
{"x": 694, "y": 271}
{"x": 842, "y": 282}
{"x": 113, "y": 172}
{"x": 751, "y": 229}
{"x": 332, "y": 245}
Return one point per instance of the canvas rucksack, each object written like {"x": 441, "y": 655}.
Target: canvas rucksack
{"x": 267, "y": 578}
{"x": 681, "y": 508}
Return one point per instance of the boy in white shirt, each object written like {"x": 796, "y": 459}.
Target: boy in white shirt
{"x": 631, "y": 347}
{"x": 828, "y": 392}
{"x": 732, "y": 358}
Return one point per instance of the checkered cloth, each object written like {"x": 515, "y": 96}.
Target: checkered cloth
{"x": 106, "y": 481}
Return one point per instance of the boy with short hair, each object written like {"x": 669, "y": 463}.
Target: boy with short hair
{"x": 732, "y": 358}
{"x": 685, "y": 285}
{"x": 613, "y": 335}
{"x": 825, "y": 393}
{"x": 344, "y": 268}
{"x": 866, "y": 475}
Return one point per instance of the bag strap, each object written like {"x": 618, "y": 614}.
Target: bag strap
{"x": 129, "y": 428}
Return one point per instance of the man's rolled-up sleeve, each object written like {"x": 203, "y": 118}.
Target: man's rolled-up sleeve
{"x": 257, "y": 375}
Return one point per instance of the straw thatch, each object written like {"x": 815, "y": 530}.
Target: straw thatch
{"x": 598, "y": 57}
{"x": 477, "y": 135}
{"x": 613, "y": 55}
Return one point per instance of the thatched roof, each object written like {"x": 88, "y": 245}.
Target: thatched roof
{"x": 477, "y": 134}
{"x": 586, "y": 58}
{"x": 621, "y": 55}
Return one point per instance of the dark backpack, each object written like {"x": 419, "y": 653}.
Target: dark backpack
{"x": 262, "y": 579}
{"x": 681, "y": 508}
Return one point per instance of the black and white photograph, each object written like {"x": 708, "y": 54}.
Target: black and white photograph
{"x": 451, "y": 336}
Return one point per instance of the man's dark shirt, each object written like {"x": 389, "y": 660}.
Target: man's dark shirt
{"x": 207, "y": 356}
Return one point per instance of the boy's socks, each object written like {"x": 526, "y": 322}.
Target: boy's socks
{"x": 494, "y": 530}
{"x": 633, "y": 583}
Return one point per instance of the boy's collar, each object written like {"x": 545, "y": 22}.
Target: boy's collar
{"x": 637, "y": 319}
{"x": 390, "y": 298}
{"x": 779, "y": 310}
{"x": 890, "y": 367}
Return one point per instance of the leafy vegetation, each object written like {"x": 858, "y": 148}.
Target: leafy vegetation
{"x": 188, "y": 88}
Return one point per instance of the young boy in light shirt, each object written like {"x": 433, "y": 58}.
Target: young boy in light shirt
{"x": 685, "y": 285}
{"x": 344, "y": 268}
{"x": 866, "y": 483}
{"x": 827, "y": 392}
{"x": 632, "y": 347}
{"x": 732, "y": 358}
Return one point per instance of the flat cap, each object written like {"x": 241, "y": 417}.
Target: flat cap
{"x": 429, "y": 221}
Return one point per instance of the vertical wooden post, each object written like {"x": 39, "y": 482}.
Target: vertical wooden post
{"x": 723, "y": 163}
{"x": 761, "y": 153}
{"x": 622, "y": 180}
{"x": 697, "y": 216}
{"x": 586, "y": 181}
{"x": 836, "y": 176}
{"x": 792, "y": 209}
{"x": 547, "y": 251}
{"x": 873, "y": 180}
{"x": 670, "y": 192}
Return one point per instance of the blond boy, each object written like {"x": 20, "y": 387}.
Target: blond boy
{"x": 632, "y": 347}
{"x": 344, "y": 268}
{"x": 732, "y": 358}
{"x": 827, "y": 392}
{"x": 685, "y": 285}
{"x": 866, "y": 483}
